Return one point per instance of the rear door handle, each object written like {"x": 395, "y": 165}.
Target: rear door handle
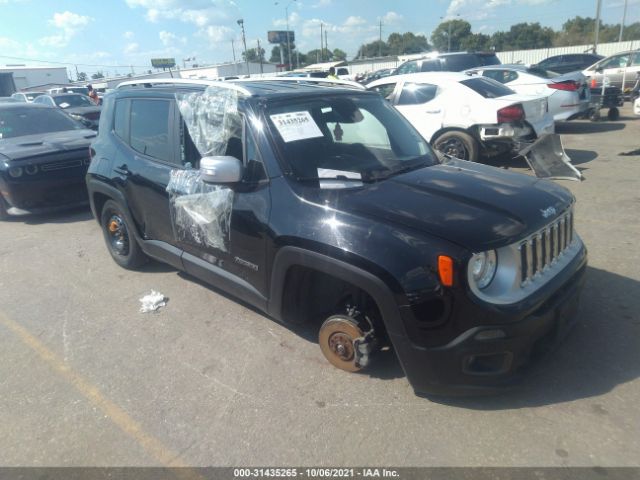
{"x": 122, "y": 170}
{"x": 433, "y": 111}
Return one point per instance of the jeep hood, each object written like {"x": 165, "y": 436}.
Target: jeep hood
{"x": 476, "y": 206}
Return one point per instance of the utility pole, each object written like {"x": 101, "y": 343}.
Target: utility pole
{"x": 286, "y": 12}
{"x": 326, "y": 45}
{"x": 77, "y": 74}
{"x": 244, "y": 43}
{"x": 624, "y": 17}
{"x": 321, "y": 45}
{"x": 233, "y": 50}
{"x": 260, "y": 56}
{"x": 380, "y": 40}
{"x": 595, "y": 44}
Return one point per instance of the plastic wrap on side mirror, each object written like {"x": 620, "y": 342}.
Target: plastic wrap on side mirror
{"x": 220, "y": 169}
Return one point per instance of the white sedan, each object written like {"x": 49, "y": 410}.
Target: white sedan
{"x": 568, "y": 95}
{"x": 465, "y": 116}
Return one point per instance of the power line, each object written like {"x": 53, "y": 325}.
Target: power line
{"x": 73, "y": 63}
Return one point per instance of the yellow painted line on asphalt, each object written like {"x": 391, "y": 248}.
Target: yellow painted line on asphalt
{"x": 116, "y": 414}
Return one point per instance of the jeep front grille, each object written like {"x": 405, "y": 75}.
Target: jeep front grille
{"x": 48, "y": 167}
{"x": 543, "y": 248}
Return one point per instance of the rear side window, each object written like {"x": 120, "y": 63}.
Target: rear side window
{"x": 491, "y": 59}
{"x": 417, "y": 93}
{"x": 486, "y": 87}
{"x": 342, "y": 71}
{"x": 431, "y": 66}
{"x": 457, "y": 63}
{"x": 119, "y": 120}
{"x": 149, "y": 128}
{"x": 502, "y": 76}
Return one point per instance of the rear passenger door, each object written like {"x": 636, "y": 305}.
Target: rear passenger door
{"x": 420, "y": 103}
{"x": 146, "y": 155}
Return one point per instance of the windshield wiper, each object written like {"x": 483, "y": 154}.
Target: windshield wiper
{"x": 341, "y": 178}
{"x": 399, "y": 171}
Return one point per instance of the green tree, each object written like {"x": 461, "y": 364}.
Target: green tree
{"x": 252, "y": 55}
{"x": 476, "y": 42}
{"x": 97, "y": 75}
{"x": 450, "y": 33}
{"x": 82, "y": 77}
{"x": 275, "y": 54}
{"x": 339, "y": 54}
{"x": 407, "y": 42}
{"x": 318, "y": 56}
{"x": 375, "y": 49}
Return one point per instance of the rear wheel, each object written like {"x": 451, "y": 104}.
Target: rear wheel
{"x": 459, "y": 145}
{"x": 614, "y": 114}
{"x": 3, "y": 210}
{"x": 120, "y": 241}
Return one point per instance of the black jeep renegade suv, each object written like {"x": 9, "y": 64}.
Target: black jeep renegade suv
{"x": 320, "y": 203}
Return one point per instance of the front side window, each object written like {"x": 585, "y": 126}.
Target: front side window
{"x": 385, "y": 90}
{"x": 355, "y": 137}
{"x": 431, "y": 66}
{"x": 149, "y": 128}
{"x": 417, "y": 93}
{"x": 409, "y": 67}
{"x": 617, "y": 61}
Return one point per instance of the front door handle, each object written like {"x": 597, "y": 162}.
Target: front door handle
{"x": 433, "y": 111}
{"x": 122, "y": 170}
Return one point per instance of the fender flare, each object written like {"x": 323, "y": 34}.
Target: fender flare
{"x": 290, "y": 256}
{"x": 96, "y": 186}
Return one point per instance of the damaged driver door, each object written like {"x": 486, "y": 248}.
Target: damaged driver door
{"x": 221, "y": 227}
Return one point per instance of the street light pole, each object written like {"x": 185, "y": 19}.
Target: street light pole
{"x": 244, "y": 43}
{"x": 624, "y": 17}
{"x": 286, "y": 12}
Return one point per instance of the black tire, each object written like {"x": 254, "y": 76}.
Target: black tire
{"x": 458, "y": 144}
{"x": 3, "y": 210}
{"x": 121, "y": 243}
{"x": 614, "y": 114}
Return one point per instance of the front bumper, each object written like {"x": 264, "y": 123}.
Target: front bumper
{"x": 473, "y": 365}
{"x": 42, "y": 196}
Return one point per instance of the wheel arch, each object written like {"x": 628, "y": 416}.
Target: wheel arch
{"x": 291, "y": 257}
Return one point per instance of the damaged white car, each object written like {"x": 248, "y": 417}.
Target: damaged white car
{"x": 467, "y": 117}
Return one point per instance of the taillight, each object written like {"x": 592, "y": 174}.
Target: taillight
{"x": 512, "y": 113}
{"x": 569, "y": 86}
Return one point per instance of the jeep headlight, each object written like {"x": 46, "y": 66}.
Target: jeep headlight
{"x": 482, "y": 268}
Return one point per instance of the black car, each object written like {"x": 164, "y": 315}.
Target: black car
{"x": 78, "y": 106}
{"x": 569, "y": 62}
{"x": 44, "y": 156}
{"x": 448, "y": 62}
{"x": 323, "y": 205}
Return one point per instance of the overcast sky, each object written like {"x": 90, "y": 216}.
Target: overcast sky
{"x": 114, "y": 35}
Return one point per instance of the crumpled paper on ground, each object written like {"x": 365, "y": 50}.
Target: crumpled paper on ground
{"x": 152, "y": 302}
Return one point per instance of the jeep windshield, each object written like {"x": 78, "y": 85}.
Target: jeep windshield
{"x": 352, "y": 138}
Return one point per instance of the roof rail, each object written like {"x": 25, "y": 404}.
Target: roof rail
{"x": 150, "y": 82}
{"x": 337, "y": 82}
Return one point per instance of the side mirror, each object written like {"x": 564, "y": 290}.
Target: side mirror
{"x": 599, "y": 69}
{"x": 220, "y": 169}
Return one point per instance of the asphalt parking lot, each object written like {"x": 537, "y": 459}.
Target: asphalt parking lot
{"x": 85, "y": 379}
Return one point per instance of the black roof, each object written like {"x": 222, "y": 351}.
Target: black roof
{"x": 272, "y": 89}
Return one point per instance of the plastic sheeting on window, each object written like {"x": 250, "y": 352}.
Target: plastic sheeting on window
{"x": 211, "y": 117}
{"x": 201, "y": 212}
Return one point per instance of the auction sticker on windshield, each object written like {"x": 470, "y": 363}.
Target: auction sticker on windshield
{"x": 296, "y": 126}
